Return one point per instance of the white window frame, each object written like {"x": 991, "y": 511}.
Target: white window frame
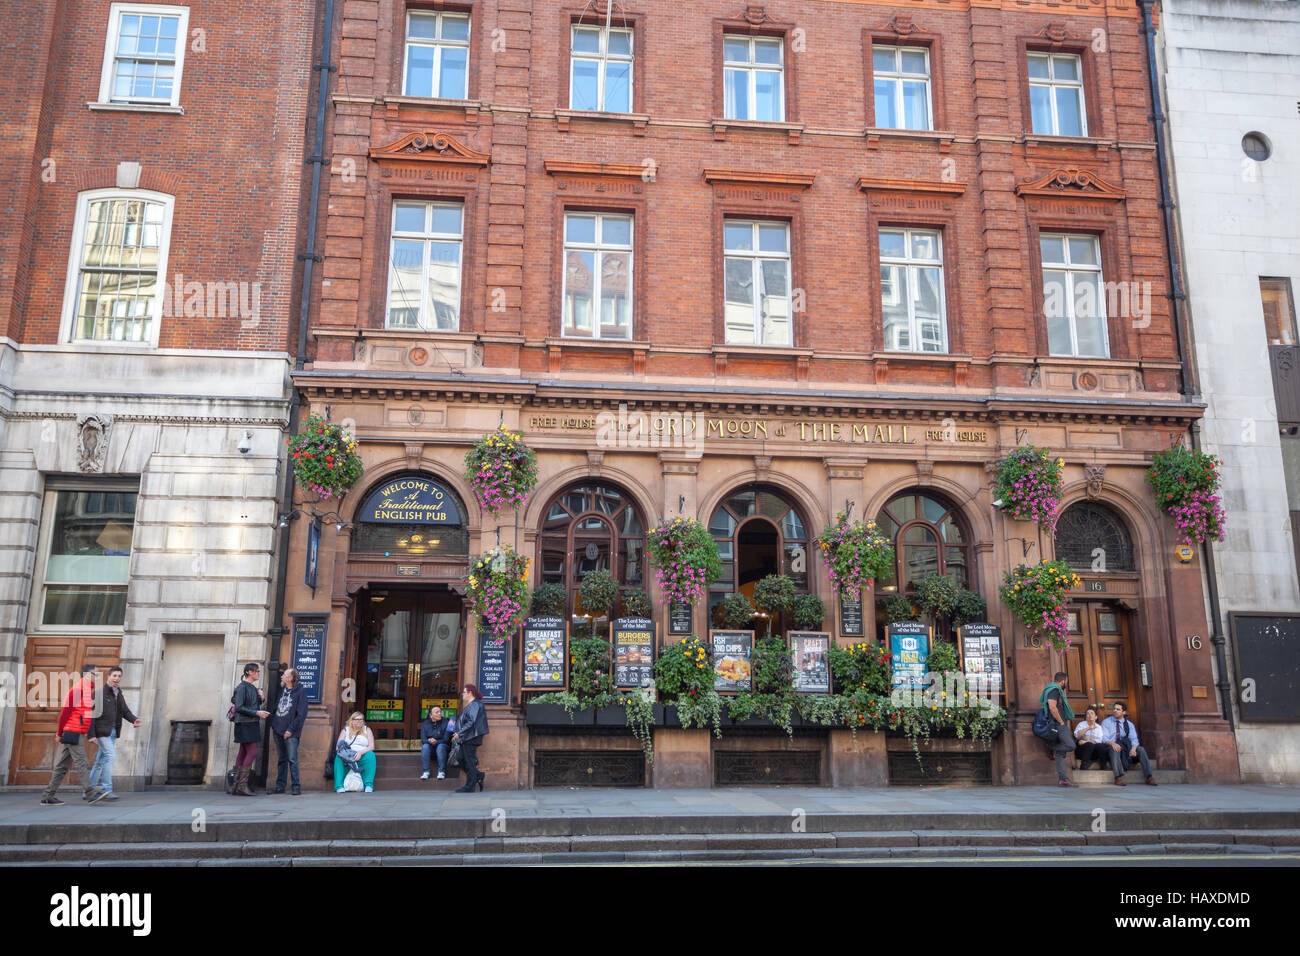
{"x": 603, "y": 58}
{"x": 896, "y": 76}
{"x": 426, "y": 323}
{"x": 109, "y": 70}
{"x": 437, "y": 46}
{"x": 756, "y": 258}
{"x": 36, "y": 607}
{"x": 72, "y": 286}
{"x": 911, "y": 265}
{"x": 752, "y": 68}
{"x": 1052, "y": 84}
{"x": 600, "y": 247}
{"x": 1070, "y": 269}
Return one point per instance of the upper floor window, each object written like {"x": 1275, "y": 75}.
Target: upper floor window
{"x": 86, "y": 556}
{"x": 1073, "y": 297}
{"x": 144, "y": 55}
{"x": 902, "y": 81}
{"x": 753, "y": 78}
{"x": 119, "y": 251}
{"x": 911, "y": 290}
{"x": 600, "y": 74}
{"x": 1279, "y": 311}
{"x": 598, "y": 275}
{"x": 1056, "y": 94}
{"x": 424, "y": 266}
{"x": 756, "y": 262}
{"x": 437, "y": 55}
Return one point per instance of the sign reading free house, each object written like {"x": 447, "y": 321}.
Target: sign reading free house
{"x": 410, "y": 500}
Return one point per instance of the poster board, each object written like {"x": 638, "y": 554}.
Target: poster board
{"x": 810, "y": 654}
{"x": 679, "y": 618}
{"x": 493, "y": 668}
{"x": 980, "y": 647}
{"x": 309, "y": 655}
{"x": 851, "y": 618}
{"x": 545, "y": 653}
{"x": 1266, "y": 651}
{"x": 909, "y": 648}
{"x": 634, "y": 652}
{"x": 732, "y": 661}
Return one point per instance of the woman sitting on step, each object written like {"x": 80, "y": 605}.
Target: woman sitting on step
{"x": 355, "y": 750}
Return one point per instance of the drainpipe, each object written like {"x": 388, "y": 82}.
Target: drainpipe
{"x": 309, "y": 256}
{"x": 1186, "y": 384}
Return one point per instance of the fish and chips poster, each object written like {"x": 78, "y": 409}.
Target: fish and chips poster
{"x": 732, "y": 651}
{"x": 545, "y": 653}
{"x": 634, "y": 652}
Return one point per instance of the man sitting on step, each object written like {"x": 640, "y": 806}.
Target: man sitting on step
{"x": 1122, "y": 735}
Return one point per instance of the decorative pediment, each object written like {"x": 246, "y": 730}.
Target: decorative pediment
{"x": 1071, "y": 182}
{"x": 935, "y": 187}
{"x": 645, "y": 172}
{"x": 743, "y": 177}
{"x": 755, "y": 15}
{"x": 902, "y": 26}
{"x": 430, "y": 146}
{"x": 1057, "y": 33}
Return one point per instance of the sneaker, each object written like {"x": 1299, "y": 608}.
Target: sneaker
{"x": 441, "y": 775}
{"x": 51, "y": 802}
{"x": 93, "y": 795}
{"x": 425, "y": 775}
{"x": 339, "y": 790}
{"x": 108, "y": 797}
{"x": 297, "y": 790}
{"x": 97, "y": 796}
{"x": 370, "y": 789}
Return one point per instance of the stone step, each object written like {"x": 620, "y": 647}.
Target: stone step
{"x": 1104, "y": 778}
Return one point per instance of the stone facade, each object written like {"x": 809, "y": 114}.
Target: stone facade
{"x": 1229, "y": 70}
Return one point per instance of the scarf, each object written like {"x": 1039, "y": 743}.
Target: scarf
{"x": 1066, "y": 712}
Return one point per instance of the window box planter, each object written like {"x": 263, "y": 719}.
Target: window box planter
{"x": 614, "y": 716}
{"x": 553, "y": 715}
{"x": 669, "y": 718}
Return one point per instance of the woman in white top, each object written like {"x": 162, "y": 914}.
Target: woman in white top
{"x": 1091, "y": 741}
{"x": 357, "y": 737}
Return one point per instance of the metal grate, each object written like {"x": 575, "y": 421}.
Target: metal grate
{"x": 589, "y": 768}
{"x": 940, "y": 768}
{"x": 787, "y": 767}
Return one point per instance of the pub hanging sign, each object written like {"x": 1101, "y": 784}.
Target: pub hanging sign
{"x": 413, "y": 499}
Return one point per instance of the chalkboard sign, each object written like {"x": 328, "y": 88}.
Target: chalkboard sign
{"x": 309, "y": 655}
{"x": 493, "y": 668}
{"x": 634, "y": 652}
{"x": 1266, "y": 648}
{"x": 909, "y": 648}
{"x": 851, "y": 618}
{"x": 732, "y": 651}
{"x": 980, "y": 646}
{"x": 679, "y": 618}
{"x": 809, "y": 651}
{"x": 546, "y": 653}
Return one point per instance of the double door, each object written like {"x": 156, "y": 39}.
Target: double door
{"x": 410, "y": 662}
{"x": 1099, "y": 663}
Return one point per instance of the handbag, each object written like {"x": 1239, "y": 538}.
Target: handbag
{"x": 352, "y": 783}
{"x": 1045, "y": 726}
{"x": 453, "y": 755}
{"x": 70, "y": 737}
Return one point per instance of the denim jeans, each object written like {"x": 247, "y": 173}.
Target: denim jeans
{"x": 102, "y": 769}
{"x": 286, "y": 752}
{"x": 439, "y": 750}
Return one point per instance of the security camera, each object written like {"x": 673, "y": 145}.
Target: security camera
{"x": 246, "y": 443}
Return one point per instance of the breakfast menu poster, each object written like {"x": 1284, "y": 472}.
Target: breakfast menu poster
{"x": 634, "y": 652}
{"x": 731, "y": 660}
{"x": 545, "y": 653}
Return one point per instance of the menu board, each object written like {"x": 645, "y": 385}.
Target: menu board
{"x": 634, "y": 652}
{"x": 851, "y": 618}
{"x": 679, "y": 618}
{"x": 308, "y": 654}
{"x": 732, "y": 651}
{"x": 909, "y": 647}
{"x": 493, "y": 668}
{"x": 981, "y": 656}
{"x": 546, "y": 653}
{"x": 809, "y": 650}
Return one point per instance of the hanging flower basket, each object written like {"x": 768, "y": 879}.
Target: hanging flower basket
{"x": 501, "y": 470}
{"x": 855, "y": 555}
{"x": 324, "y": 458}
{"x": 497, "y": 587}
{"x": 1186, "y": 485}
{"x": 685, "y": 557}
{"x": 1029, "y": 486}
{"x": 1037, "y": 594}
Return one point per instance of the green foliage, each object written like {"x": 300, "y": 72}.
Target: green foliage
{"x": 970, "y": 606}
{"x": 590, "y": 670}
{"x": 684, "y": 676}
{"x": 855, "y": 555}
{"x": 598, "y": 592}
{"x": 828, "y": 710}
{"x": 897, "y": 607}
{"x": 937, "y": 594}
{"x": 1037, "y": 595}
{"x": 1029, "y": 485}
{"x": 324, "y": 458}
{"x": 549, "y": 600}
{"x": 809, "y": 612}
{"x": 638, "y": 708}
{"x": 862, "y": 666}
{"x": 736, "y": 611}
{"x": 1178, "y": 471}
{"x": 774, "y": 593}
{"x": 685, "y": 557}
{"x": 702, "y": 710}
{"x": 501, "y": 470}
{"x": 497, "y": 588}
{"x": 636, "y": 603}
{"x": 943, "y": 657}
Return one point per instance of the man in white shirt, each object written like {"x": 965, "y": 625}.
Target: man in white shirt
{"x": 1122, "y": 735}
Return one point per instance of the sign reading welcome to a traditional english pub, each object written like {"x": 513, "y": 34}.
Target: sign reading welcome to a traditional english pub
{"x": 410, "y": 500}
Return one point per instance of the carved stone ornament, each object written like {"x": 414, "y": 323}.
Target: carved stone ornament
{"x": 924, "y": 472}
{"x": 1068, "y": 180}
{"x": 93, "y": 432}
{"x": 430, "y": 145}
{"x": 902, "y": 25}
{"x": 1057, "y": 33}
{"x": 1096, "y": 476}
{"x": 754, "y": 15}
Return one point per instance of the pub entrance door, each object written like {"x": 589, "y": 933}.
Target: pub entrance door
{"x": 1099, "y": 661}
{"x": 409, "y": 661}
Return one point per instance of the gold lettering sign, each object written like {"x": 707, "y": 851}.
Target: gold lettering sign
{"x": 657, "y": 429}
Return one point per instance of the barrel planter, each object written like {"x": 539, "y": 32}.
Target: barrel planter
{"x": 187, "y": 753}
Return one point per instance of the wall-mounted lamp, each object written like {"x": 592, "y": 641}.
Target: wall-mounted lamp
{"x": 289, "y": 516}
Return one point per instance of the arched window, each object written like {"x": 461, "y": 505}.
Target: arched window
{"x": 1089, "y": 532}
{"x": 759, "y": 531}
{"x": 929, "y": 538}
{"x": 588, "y": 526}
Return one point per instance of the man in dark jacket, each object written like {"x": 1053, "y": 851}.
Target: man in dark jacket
{"x": 286, "y": 729}
{"x": 435, "y": 740}
{"x": 107, "y": 730}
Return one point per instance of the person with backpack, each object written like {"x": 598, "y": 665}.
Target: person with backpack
{"x": 246, "y": 703}
{"x": 1054, "y": 702}
{"x": 76, "y": 719}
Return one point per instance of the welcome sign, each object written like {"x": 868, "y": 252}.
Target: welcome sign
{"x": 410, "y": 500}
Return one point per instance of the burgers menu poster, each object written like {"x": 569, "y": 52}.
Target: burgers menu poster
{"x": 545, "y": 650}
{"x": 634, "y": 652}
{"x": 732, "y": 651}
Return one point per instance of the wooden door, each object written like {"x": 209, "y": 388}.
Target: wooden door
{"x": 51, "y": 666}
{"x": 1099, "y": 662}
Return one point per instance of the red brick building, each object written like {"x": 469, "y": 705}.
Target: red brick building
{"x": 868, "y": 247}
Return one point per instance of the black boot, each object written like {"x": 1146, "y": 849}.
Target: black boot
{"x": 481, "y": 777}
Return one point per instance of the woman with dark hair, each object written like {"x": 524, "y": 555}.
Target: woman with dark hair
{"x": 247, "y": 701}
{"x": 471, "y": 728}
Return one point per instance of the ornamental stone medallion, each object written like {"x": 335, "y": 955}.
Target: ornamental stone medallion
{"x": 93, "y": 432}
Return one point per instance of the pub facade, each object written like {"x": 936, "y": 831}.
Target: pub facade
{"x": 755, "y": 266}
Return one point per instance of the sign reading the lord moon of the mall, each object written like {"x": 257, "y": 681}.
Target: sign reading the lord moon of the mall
{"x": 410, "y": 500}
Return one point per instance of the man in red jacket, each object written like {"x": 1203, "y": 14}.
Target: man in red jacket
{"x": 75, "y": 721}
